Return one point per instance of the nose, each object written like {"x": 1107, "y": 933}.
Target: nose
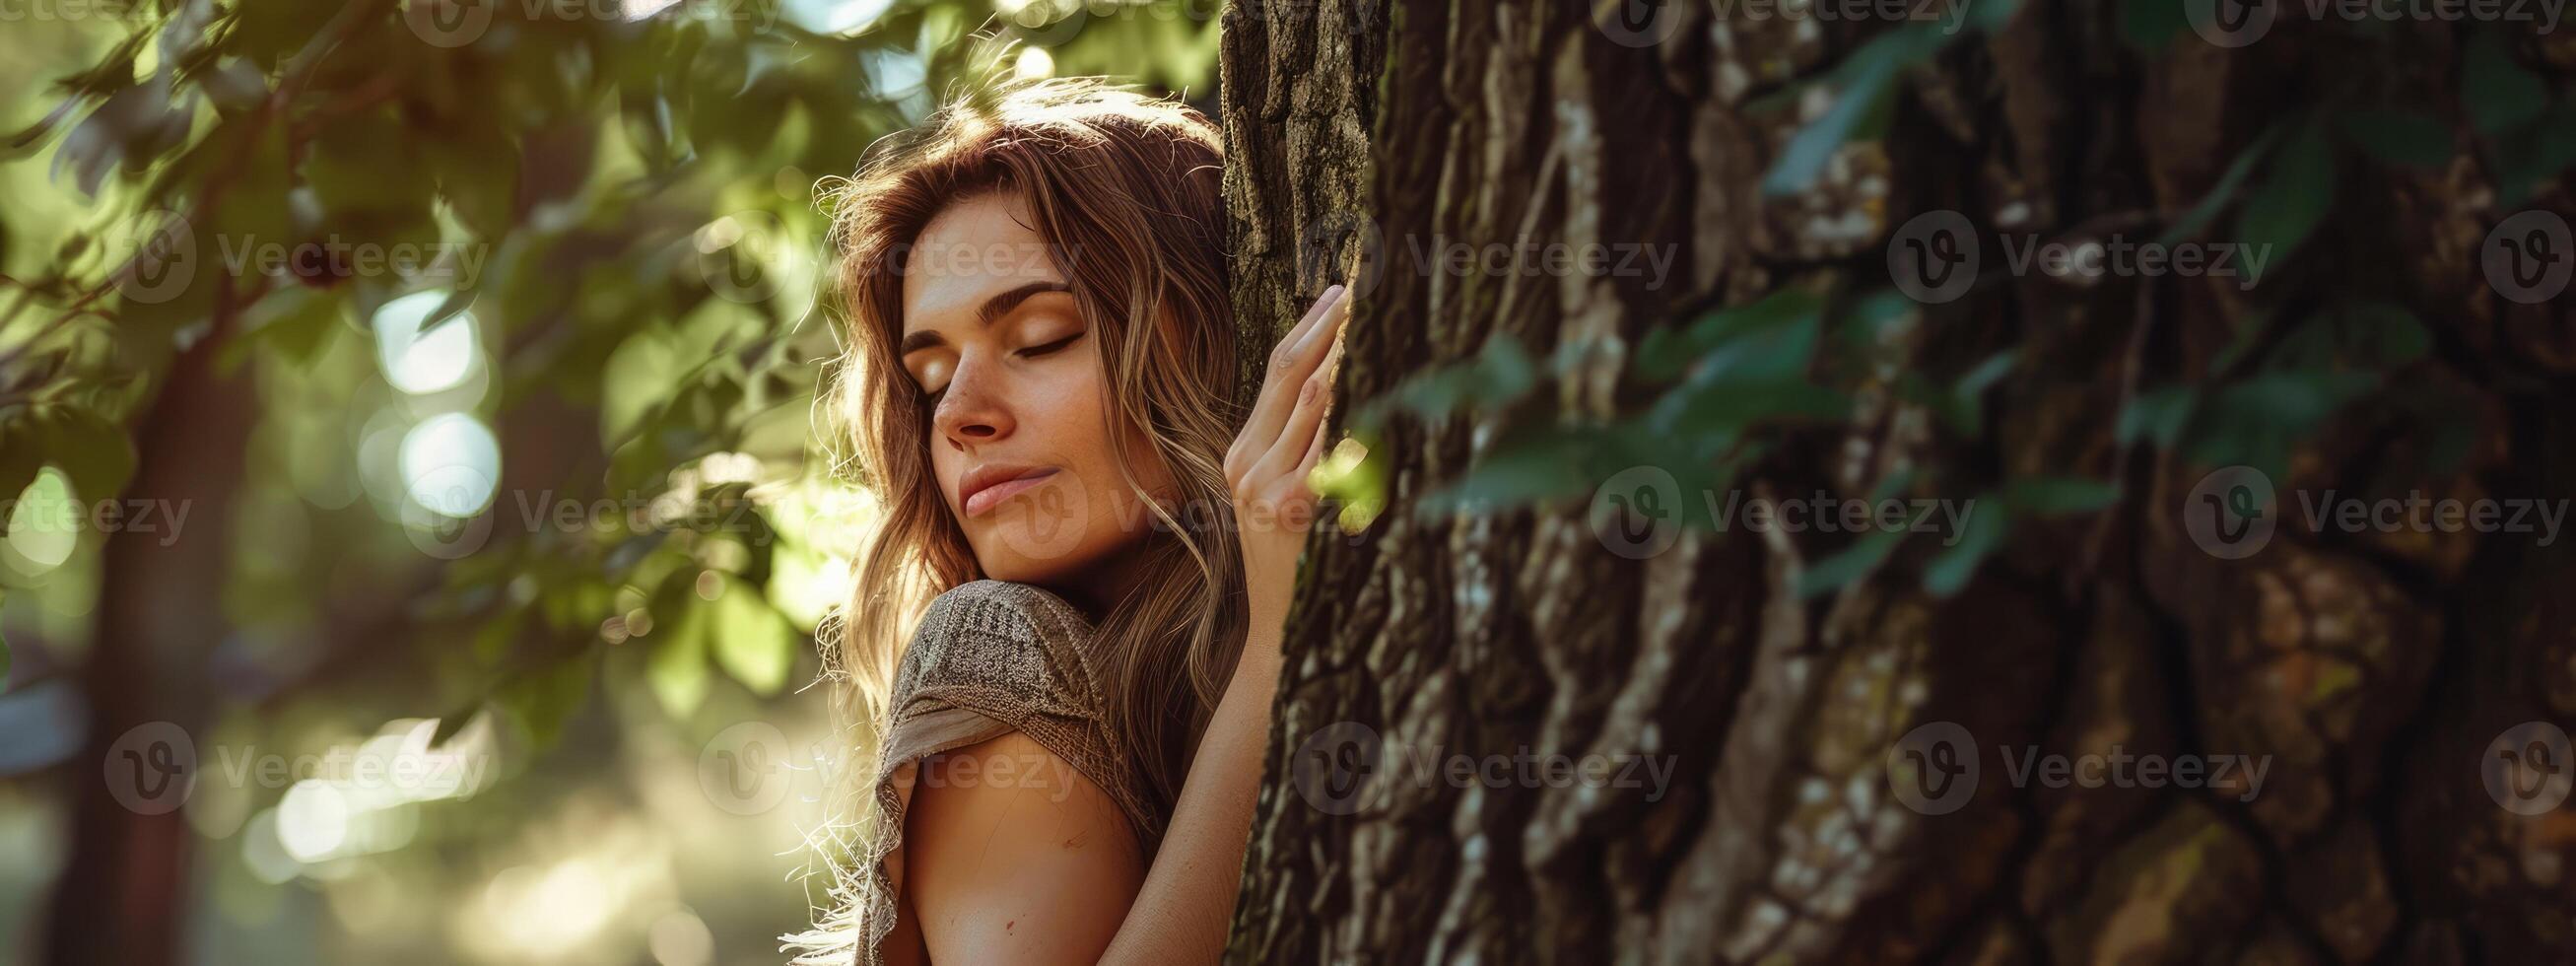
{"x": 973, "y": 411}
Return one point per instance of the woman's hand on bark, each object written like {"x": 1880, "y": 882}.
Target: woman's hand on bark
{"x": 1279, "y": 445}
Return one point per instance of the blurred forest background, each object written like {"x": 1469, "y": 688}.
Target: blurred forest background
{"x": 449, "y": 370}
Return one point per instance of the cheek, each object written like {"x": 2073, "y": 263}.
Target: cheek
{"x": 1150, "y": 472}
{"x": 1078, "y": 431}
{"x": 1063, "y": 410}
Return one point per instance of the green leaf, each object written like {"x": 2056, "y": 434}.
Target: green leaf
{"x": 1991, "y": 16}
{"x": 253, "y": 211}
{"x": 93, "y": 452}
{"x": 753, "y": 642}
{"x": 638, "y": 378}
{"x": 1353, "y": 474}
{"x": 454, "y": 721}
{"x": 2294, "y": 197}
{"x": 21, "y": 458}
{"x": 1981, "y": 535}
{"x": 1726, "y": 410}
{"x": 2301, "y": 398}
{"x": 2249, "y": 333}
{"x": 1863, "y": 322}
{"x": 2150, "y": 26}
{"x": 2050, "y": 496}
{"x": 1987, "y": 373}
{"x": 1523, "y": 467}
{"x": 1894, "y": 483}
{"x": 2398, "y": 137}
{"x": 1754, "y": 368}
{"x": 2258, "y": 421}
{"x": 1860, "y": 104}
{"x": 1865, "y": 89}
{"x": 366, "y": 162}
{"x": 2158, "y": 415}
{"x": 1499, "y": 374}
{"x": 449, "y": 308}
{"x": 1668, "y": 353}
{"x": 2500, "y": 95}
{"x": 297, "y": 322}
{"x": 676, "y": 668}
{"x": 492, "y": 641}
{"x": 543, "y": 699}
{"x": 478, "y": 174}
{"x": 1852, "y": 563}
{"x": 2536, "y": 155}
{"x": 2374, "y": 336}
{"x": 1963, "y": 407}
{"x": 2220, "y": 193}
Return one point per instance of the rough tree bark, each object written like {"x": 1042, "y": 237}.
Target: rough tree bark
{"x": 2373, "y": 668}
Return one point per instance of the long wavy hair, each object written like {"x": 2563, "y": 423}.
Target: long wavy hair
{"x": 1126, "y": 192}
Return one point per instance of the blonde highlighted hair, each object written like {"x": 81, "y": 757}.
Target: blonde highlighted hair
{"x": 1125, "y": 191}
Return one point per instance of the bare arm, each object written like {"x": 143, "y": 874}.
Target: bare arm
{"x": 1012, "y": 856}
{"x": 995, "y": 875}
{"x": 1182, "y": 913}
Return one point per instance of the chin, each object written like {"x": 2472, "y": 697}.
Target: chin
{"x": 1012, "y": 552}
{"x": 1021, "y": 570}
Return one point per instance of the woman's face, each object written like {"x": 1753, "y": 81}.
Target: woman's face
{"x": 1019, "y": 432}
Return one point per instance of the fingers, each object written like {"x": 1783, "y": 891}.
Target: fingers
{"x": 1306, "y": 467}
{"x": 1305, "y": 424}
{"x": 1292, "y": 363}
{"x": 1300, "y": 335}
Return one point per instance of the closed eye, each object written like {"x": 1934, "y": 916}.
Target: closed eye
{"x": 931, "y": 396}
{"x": 1050, "y": 347}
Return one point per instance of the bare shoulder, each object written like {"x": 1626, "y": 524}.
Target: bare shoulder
{"x": 1013, "y": 855}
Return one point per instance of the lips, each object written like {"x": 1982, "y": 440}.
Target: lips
{"x": 985, "y": 487}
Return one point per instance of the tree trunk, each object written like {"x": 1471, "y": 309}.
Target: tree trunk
{"x": 2375, "y": 673}
{"x": 124, "y": 894}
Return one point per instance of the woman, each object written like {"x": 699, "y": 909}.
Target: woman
{"x": 1071, "y": 735}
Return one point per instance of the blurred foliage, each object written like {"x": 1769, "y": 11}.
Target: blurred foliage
{"x": 530, "y": 297}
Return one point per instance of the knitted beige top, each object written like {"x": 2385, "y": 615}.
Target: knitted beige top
{"x": 990, "y": 658}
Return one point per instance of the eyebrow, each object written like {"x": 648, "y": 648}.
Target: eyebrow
{"x": 992, "y": 309}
